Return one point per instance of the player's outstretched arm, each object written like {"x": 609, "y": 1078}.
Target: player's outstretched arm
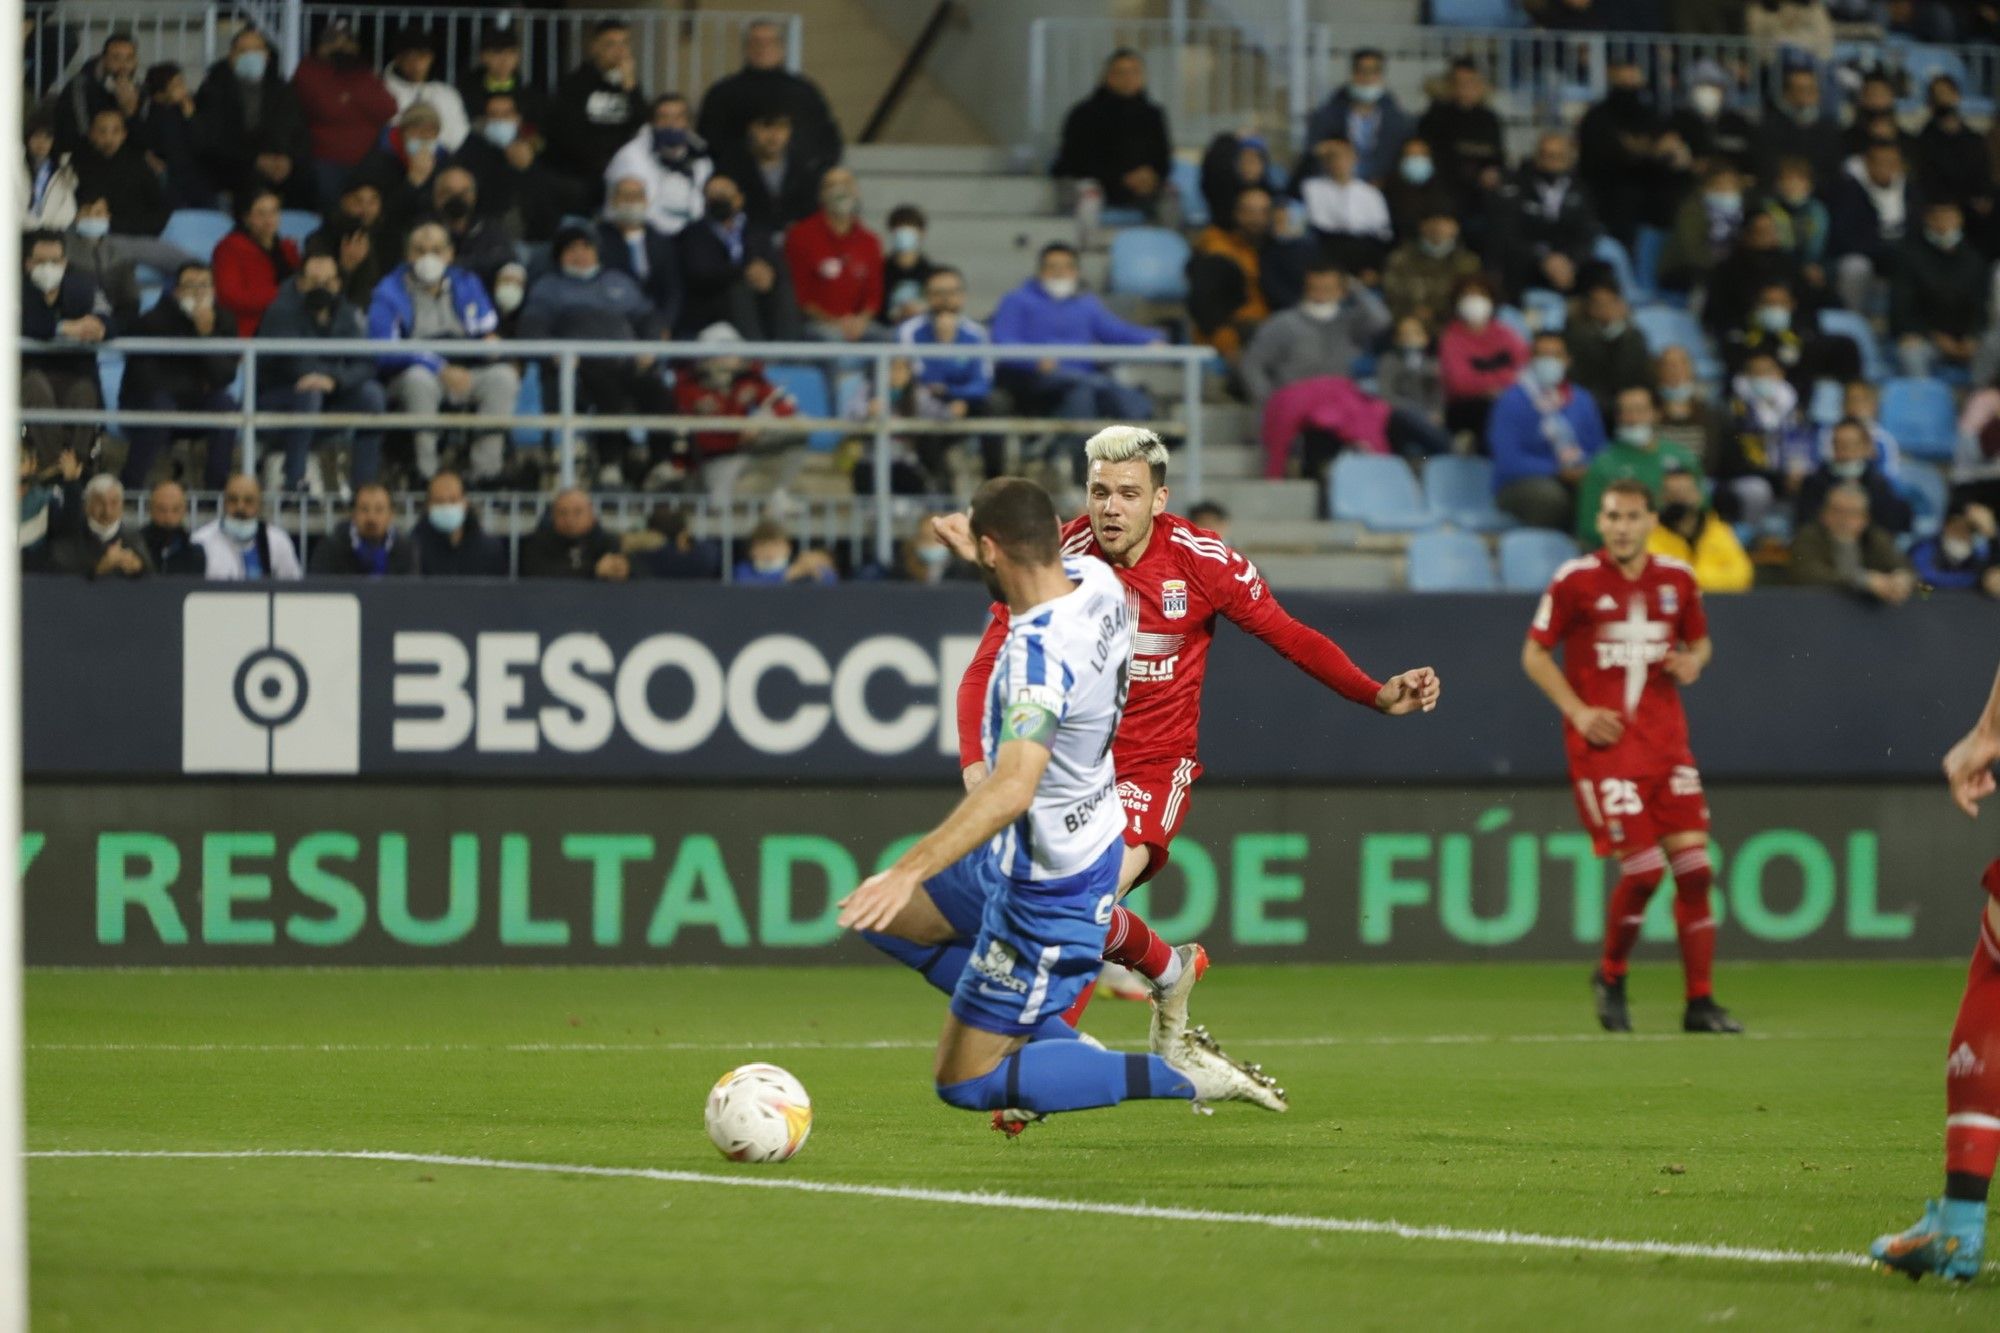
{"x": 1599, "y": 726}
{"x": 1969, "y": 765}
{"x": 986, "y": 809}
{"x": 1241, "y": 595}
{"x": 972, "y": 698}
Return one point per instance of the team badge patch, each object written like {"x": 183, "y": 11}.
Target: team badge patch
{"x": 1173, "y": 599}
{"x": 1670, "y": 599}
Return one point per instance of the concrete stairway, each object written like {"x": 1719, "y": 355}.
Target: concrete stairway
{"x": 853, "y": 57}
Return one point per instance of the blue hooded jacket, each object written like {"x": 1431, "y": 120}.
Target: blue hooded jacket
{"x": 1028, "y": 314}
{"x": 392, "y": 315}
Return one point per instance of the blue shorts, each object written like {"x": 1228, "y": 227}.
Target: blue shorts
{"x": 1038, "y": 946}
{"x": 960, "y": 891}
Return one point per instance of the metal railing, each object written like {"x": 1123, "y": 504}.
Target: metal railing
{"x": 568, "y": 419}
{"x": 1268, "y": 69}
{"x": 675, "y": 51}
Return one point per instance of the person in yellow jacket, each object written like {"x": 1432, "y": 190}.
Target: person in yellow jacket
{"x": 1690, "y": 531}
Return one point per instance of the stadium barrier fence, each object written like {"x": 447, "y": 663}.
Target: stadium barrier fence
{"x": 569, "y": 417}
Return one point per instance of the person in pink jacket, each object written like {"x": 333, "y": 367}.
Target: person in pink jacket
{"x": 1479, "y": 358}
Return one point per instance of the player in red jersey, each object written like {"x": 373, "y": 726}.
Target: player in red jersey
{"x": 1950, "y": 1238}
{"x": 1183, "y": 577}
{"x": 1633, "y": 634}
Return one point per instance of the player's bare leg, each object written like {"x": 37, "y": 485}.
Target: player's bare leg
{"x": 1694, "y": 923}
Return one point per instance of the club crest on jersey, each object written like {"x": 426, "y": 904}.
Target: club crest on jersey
{"x": 1173, "y": 599}
{"x": 1670, "y": 599}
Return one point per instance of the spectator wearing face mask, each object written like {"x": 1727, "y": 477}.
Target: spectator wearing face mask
{"x": 1691, "y": 532}
{"x": 110, "y": 164}
{"x": 836, "y": 264}
{"x": 514, "y": 186}
{"x": 1853, "y": 462}
{"x": 449, "y": 541}
{"x": 1607, "y": 355}
{"x": 670, "y": 162}
{"x": 404, "y": 168}
{"x": 60, "y": 304}
{"x": 597, "y": 108}
{"x": 1542, "y": 436}
{"x": 1413, "y": 191}
{"x": 1425, "y": 270}
{"x": 628, "y": 243}
{"x": 1716, "y": 133}
{"x": 726, "y": 384}
{"x": 1052, "y": 309}
{"x": 496, "y": 72}
{"x": 253, "y": 260}
{"x": 346, "y": 105}
{"x": 906, "y": 269}
{"x": 1798, "y": 127}
{"x": 239, "y": 546}
{"x": 1938, "y": 294}
{"x": 1117, "y": 139}
{"x": 157, "y": 382}
{"x": 953, "y": 388}
{"x": 95, "y": 252}
{"x": 170, "y": 547}
{"x": 1845, "y": 548}
{"x": 1299, "y": 375}
{"x": 1365, "y": 113}
{"x": 1964, "y": 555}
{"x": 310, "y": 307}
{"x": 249, "y": 128}
{"x": 479, "y": 242}
{"x": 927, "y": 560}
{"x": 771, "y": 562}
{"x": 510, "y": 295}
{"x": 1705, "y": 231}
{"x": 1336, "y": 323}
{"x": 732, "y": 272}
{"x": 366, "y": 544}
{"x": 1687, "y": 417}
{"x": 46, "y": 183}
{"x": 105, "y": 547}
{"x": 1636, "y": 452}
{"x": 570, "y": 543}
{"x": 1861, "y": 400}
{"x": 409, "y": 80}
{"x": 1768, "y": 449}
{"x": 1479, "y": 359}
{"x": 1408, "y": 373}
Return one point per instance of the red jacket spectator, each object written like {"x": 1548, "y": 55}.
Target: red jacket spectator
{"x": 247, "y": 276}
{"x": 346, "y": 107}
{"x": 1479, "y": 363}
{"x": 726, "y": 391}
{"x": 834, "y": 274}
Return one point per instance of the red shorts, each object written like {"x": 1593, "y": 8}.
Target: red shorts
{"x": 1626, "y": 815}
{"x": 1155, "y": 797}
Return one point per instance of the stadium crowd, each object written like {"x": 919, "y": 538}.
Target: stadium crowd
{"x": 1402, "y": 286}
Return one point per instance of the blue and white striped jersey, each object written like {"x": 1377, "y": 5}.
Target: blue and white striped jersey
{"x": 1069, "y": 657}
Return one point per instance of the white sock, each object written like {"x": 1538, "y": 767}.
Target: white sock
{"x": 1171, "y": 974}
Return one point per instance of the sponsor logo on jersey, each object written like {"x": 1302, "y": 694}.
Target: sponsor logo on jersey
{"x": 1684, "y": 781}
{"x": 997, "y": 966}
{"x": 1134, "y": 797}
{"x": 1607, "y": 603}
{"x": 1153, "y": 670}
{"x": 1173, "y": 599}
{"x": 1078, "y": 815}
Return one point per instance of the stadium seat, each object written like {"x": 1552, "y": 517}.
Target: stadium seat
{"x": 1547, "y": 311}
{"x": 1664, "y": 327}
{"x": 529, "y": 404}
{"x": 1529, "y": 558}
{"x": 1186, "y": 177}
{"x": 1379, "y": 492}
{"x": 1478, "y": 14}
{"x": 1516, "y": 319}
{"x": 807, "y": 386}
{"x": 1459, "y": 489}
{"x": 1928, "y": 493}
{"x": 1825, "y": 405}
{"x": 110, "y": 374}
{"x": 295, "y": 224}
{"x": 1851, "y": 324}
{"x": 1611, "y": 252}
{"x": 1448, "y": 561}
{"x": 1150, "y": 263}
{"x": 1920, "y": 414}
{"x": 1646, "y": 252}
{"x": 196, "y": 230}
{"x": 1922, "y": 63}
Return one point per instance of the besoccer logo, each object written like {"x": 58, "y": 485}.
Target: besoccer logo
{"x": 271, "y": 683}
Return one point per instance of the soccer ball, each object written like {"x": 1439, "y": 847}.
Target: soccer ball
{"x": 758, "y": 1113}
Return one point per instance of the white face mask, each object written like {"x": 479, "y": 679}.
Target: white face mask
{"x": 1957, "y": 550}
{"x": 192, "y": 306}
{"x": 1476, "y": 309}
{"x": 239, "y": 530}
{"x": 1707, "y": 101}
{"x": 1060, "y": 289}
{"x": 104, "y": 532}
{"x": 507, "y": 296}
{"x": 768, "y": 567}
{"x": 1319, "y": 310}
{"x": 93, "y": 229}
{"x": 47, "y": 277}
{"x": 429, "y": 269}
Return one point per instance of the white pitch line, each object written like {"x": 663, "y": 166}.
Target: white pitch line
{"x": 1529, "y": 1240}
{"x": 880, "y": 1044}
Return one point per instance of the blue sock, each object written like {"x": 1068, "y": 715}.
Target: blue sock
{"x": 938, "y": 964}
{"x": 1068, "y": 1076}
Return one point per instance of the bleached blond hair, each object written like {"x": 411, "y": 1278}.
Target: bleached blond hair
{"x": 1123, "y": 444}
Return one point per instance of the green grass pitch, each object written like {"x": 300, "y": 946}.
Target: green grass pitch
{"x": 1469, "y": 1096}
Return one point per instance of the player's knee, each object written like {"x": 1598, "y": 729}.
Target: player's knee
{"x": 973, "y": 1094}
{"x": 1644, "y": 870}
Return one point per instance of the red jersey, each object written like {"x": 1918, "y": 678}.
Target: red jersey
{"x": 748, "y": 394}
{"x": 1186, "y": 578}
{"x": 1614, "y": 633}
{"x": 831, "y": 273}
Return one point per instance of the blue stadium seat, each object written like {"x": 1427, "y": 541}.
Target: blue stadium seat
{"x": 196, "y": 230}
{"x": 1611, "y": 252}
{"x": 1922, "y": 63}
{"x": 1478, "y": 14}
{"x": 529, "y": 404}
{"x": 1379, "y": 492}
{"x": 1460, "y": 490}
{"x": 1186, "y": 177}
{"x": 1664, "y": 327}
{"x": 1852, "y": 324}
{"x": 807, "y": 385}
{"x": 1514, "y": 318}
{"x": 1922, "y": 417}
{"x": 1824, "y": 407}
{"x": 1151, "y": 263}
{"x": 1448, "y": 561}
{"x": 1646, "y": 252}
{"x": 1928, "y": 493}
{"x": 1546, "y": 310}
{"x": 110, "y": 374}
{"x": 1123, "y": 217}
{"x": 295, "y": 224}
{"x": 1529, "y": 558}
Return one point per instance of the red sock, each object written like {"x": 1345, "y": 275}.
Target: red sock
{"x": 1074, "y": 1014}
{"x": 1131, "y": 943}
{"x": 1972, "y": 1070}
{"x": 1694, "y": 919}
{"x": 1639, "y": 876}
